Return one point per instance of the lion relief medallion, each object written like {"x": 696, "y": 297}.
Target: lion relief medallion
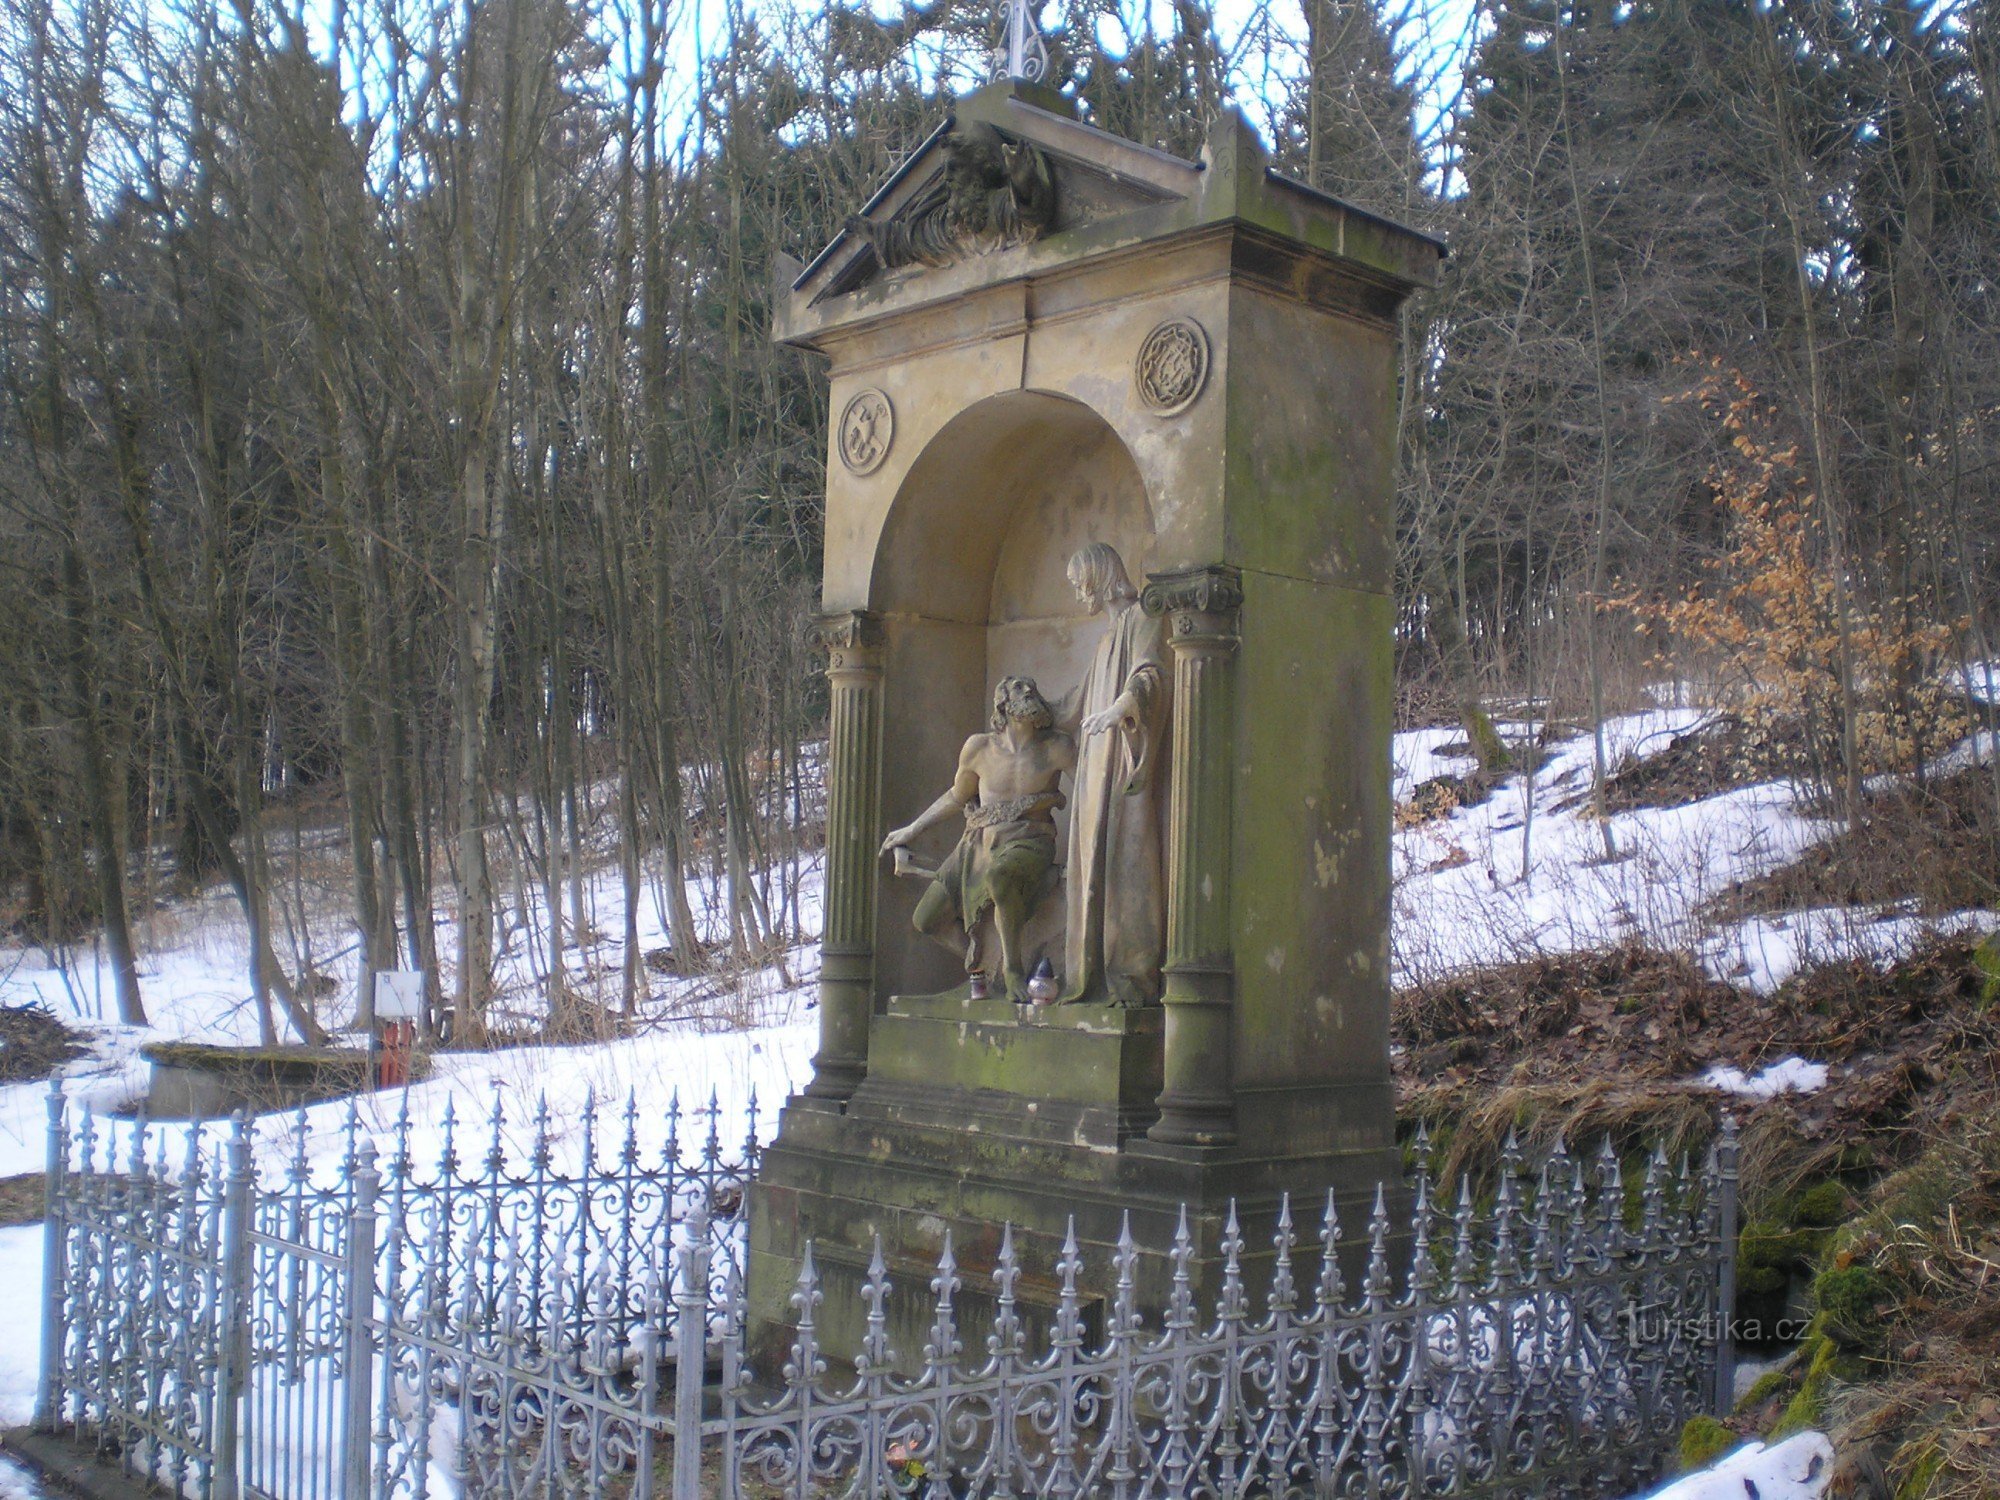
{"x": 867, "y": 426}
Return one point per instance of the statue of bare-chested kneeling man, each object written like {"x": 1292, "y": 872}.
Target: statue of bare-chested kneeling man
{"x": 1006, "y": 787}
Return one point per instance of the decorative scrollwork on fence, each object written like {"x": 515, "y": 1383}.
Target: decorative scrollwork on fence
{"x": 503, "y": 1329}
{"x": 503, "y": 1326}
{"x": 1496, "y": 1359}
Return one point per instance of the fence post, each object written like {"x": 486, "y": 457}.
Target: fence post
{"x": 48, "y": 1396}
{"x": 690, "y": 1351}
{"x": 357, "y": 1340}
{"x": 232, "y": 1309}
{"x": 1727, "y": 1158}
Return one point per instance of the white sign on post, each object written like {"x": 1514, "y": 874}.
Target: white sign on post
{"x": 399, "y": 995}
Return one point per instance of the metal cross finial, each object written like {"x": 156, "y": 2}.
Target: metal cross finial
{"x": 1022, "y": 53}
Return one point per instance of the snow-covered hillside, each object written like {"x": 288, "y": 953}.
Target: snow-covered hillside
{"x": 1490, "y": 884}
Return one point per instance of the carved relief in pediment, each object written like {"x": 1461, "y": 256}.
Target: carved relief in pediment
{"x": 992, "y": 194}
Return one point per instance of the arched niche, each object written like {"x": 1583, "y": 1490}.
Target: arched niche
{"x": 969, "y": 582}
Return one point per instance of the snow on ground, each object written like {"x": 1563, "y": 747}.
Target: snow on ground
{"x": 1761, "y": 953}
{"x": 20, "y": 1323}
{"x": 1982, "y": 681}
{"x": 1526, "y": 873}
{"x": 1799, "y": 1468}
{"x": 20, "y": 1345}
{"x": 1973, "y": 750}
{"x": 1788, "y": 1075}
{"x": 732, "y": 1036}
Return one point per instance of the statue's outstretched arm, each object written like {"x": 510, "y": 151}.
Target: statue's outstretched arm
{"x": 1068, "y": 711}
{"x": 964, "y": 790}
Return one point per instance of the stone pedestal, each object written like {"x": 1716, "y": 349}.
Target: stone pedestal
{"x": 973, "y": 1117}
{"x": 1195, "y": 363}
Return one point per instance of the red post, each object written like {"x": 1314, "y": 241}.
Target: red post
{"x": 393, "y": 1069}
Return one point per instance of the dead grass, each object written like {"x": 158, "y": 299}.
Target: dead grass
{"x": 1543, "y": 1020}
{"x": 1631, "y": 1017}
{"x": 22, "y": 1198}
{"x": 1899, "y": 1156}
{"x": 33, "y": 1043}
{"x": 1469, "y": 1126}
{"x": 1914, "y": 1399}
{"x": 1440, "y": 797}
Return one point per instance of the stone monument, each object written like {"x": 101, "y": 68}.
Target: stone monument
{"x": 1108, "y": 557}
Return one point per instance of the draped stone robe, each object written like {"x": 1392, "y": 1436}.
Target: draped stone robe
{"x": 1116, "y": 878}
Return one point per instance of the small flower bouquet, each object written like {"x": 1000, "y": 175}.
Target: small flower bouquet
{"x": 907, "y": 1472}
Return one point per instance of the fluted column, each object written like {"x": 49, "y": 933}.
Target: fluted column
{"x": 1197, "y": 1106}
{"x": 853, "y": 645}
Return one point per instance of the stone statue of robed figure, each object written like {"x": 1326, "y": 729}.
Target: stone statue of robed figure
{"x": 1116, "y": 933}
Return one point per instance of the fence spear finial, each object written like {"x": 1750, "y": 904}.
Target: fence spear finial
{"x": 944, "y": 1343}
{"x": 1283, "y": 1296}
{"x": 1332, "y": 1289}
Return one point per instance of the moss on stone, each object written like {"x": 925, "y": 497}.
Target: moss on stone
{"x": 1986, "y": 959}
{"x": 1847, "y": 1297}
{"x": 1858, "y": 1156}
{"x": 1807, "y": 1408}
{"x": 1820, "y": 1206}
{"x": 1703, "y": 1441}
{"x": 1769, "y": 1255}
{"x": 1760, "y": 1281}
{"x": 221, "y": 1059}
{"x": 1763, "y": 1388}
{"x": 1920, "y": 1193}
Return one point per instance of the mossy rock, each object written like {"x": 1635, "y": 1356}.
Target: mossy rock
{"x": 1792, "y": 1249}
{"x": 1761, "y": 1281}
{"x": 1806, "y": 1410}
{"x": 1920, "y": 1193}
{"x": 1986, "y": 959}
{"x": 1847, "y": 1297}
{"x": 1703, "y": 1441}
{"x": 1771, "y": 1259}
{"x": 197, "y": 1080}
{"x": 1820, "y": 1206}
{"x": 1859, "y": 1156}
{"x": 1763, "y": 1388}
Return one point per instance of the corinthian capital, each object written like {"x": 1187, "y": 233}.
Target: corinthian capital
{"x": 853, "y": 637}
{"x": 1198, "y": 600}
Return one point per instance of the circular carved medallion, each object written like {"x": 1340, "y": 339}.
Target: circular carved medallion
{"x": 867, "y": 427}
{"x": 1172, "y": 366}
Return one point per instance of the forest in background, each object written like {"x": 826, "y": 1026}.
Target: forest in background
{"x": 392, "y": 445}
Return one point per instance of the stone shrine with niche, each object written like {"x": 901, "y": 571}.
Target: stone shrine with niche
{"x": 1043, "y": 337}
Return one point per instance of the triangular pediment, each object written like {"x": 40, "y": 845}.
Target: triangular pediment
{"x": 1010, "y": 165}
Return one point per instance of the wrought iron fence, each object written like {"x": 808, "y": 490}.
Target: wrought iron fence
{"x": 223, "y": 1334}
{"x": 515, "y": 1330}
